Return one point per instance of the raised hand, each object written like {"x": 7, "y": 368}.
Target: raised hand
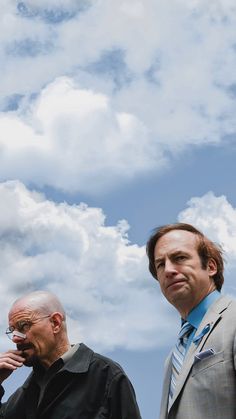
{"x": 9, "y": 362}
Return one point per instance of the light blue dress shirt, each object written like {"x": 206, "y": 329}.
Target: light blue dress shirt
{"x": 197, "y": 313}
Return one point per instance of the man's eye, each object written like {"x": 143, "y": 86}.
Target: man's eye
{"x": 23, "y": 326}
{"x": 180, "y": 257}
{"x": 159, "y": 265}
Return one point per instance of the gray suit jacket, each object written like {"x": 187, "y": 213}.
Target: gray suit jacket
{"x": 207, "y": 387}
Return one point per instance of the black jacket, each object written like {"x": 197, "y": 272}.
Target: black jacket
{"x": 88, "y": 386}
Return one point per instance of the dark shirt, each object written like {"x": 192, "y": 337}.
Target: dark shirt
{"x": 87, "y": 386}
{"x": 42, "y": 376}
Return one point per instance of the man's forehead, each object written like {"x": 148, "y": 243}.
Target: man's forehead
{"x": 21, "y": 309}
{"x": 176, "y": 240}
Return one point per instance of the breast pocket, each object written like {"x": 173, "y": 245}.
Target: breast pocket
{"x": 208, "y": 362}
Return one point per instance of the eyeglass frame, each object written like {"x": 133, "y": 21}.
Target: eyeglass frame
{"x": 10, "y": 329}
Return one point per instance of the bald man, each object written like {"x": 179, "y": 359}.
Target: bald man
{"x": 67, "y": 381}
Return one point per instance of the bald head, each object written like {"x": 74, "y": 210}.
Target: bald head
{"x": 40, "y": 318}
{"x": 43, "y": 302}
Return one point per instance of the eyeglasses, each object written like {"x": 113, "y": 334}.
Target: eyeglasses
{"x": 22, "y": 327}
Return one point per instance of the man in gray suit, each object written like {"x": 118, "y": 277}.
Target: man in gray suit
{"x": 200, "y": 376}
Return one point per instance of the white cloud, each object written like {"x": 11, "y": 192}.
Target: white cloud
{"x": 73, "y": 139}
{"x": 100, "y": 277}
{"x": 42, "y": 5}
{"x": 172, "y": 88}
{"x": 216, "y": 218}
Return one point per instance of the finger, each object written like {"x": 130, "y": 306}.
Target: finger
{"x": 11, "y": 360}
{"x": 10, "y": 365}
{"x": 14, "y": 360}
{"x": 12, "y": 351}
{"x": 12, "y": 355}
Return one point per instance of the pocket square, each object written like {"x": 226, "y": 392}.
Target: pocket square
{"x": 203, "y": 355}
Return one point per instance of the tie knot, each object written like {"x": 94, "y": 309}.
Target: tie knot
{"x": 185, "y": 330}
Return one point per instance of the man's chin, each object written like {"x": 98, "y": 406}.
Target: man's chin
{"x": 30, "y": 361}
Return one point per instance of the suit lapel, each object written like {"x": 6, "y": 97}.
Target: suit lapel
{"x": 212, "y": 317}
{"x": 166, "y": 385}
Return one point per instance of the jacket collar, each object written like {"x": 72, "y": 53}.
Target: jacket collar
{"x": 78, "y": 363}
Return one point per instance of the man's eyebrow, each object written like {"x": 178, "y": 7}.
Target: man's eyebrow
{"x": 158, "y": 259}
{"x": 179, "y": 252}
{"x": 171, "y": 254}
{"x": 22, "y": 321}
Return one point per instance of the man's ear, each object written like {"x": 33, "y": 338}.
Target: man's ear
{"x": 56, "y": 320}
{"x": 212, "y": 267}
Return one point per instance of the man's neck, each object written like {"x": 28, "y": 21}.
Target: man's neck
{"x": 59, "y": 351}
{"x": 184, "y": 310}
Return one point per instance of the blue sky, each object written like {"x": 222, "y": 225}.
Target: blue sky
{"x": 115, "y": 117}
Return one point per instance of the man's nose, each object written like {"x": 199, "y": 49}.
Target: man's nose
{"x": 18, "y": 336}
{"x": 170, "y": 268}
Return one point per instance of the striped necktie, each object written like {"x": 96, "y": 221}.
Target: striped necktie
{"x": 178, "y": 355}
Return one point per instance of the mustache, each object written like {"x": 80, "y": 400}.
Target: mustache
{"x": 24, "y": 346}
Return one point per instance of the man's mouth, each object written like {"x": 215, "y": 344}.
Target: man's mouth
{"x": 177, "y": 282}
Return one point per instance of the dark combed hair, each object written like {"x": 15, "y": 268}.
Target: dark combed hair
{"x": 205, "y": 247}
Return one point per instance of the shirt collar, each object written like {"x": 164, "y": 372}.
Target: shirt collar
{"x": 197, "y": 313}
{"x": 78, "y": 363}
{"x": 68, "y": 355}
{"x": 40, "y": 370}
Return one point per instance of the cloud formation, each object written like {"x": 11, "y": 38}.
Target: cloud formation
{"x": 143, "y": 105}
{"x": 216, "y": 218}
{"x": 100, "y": 277}
{"x": 73, "y": 139}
